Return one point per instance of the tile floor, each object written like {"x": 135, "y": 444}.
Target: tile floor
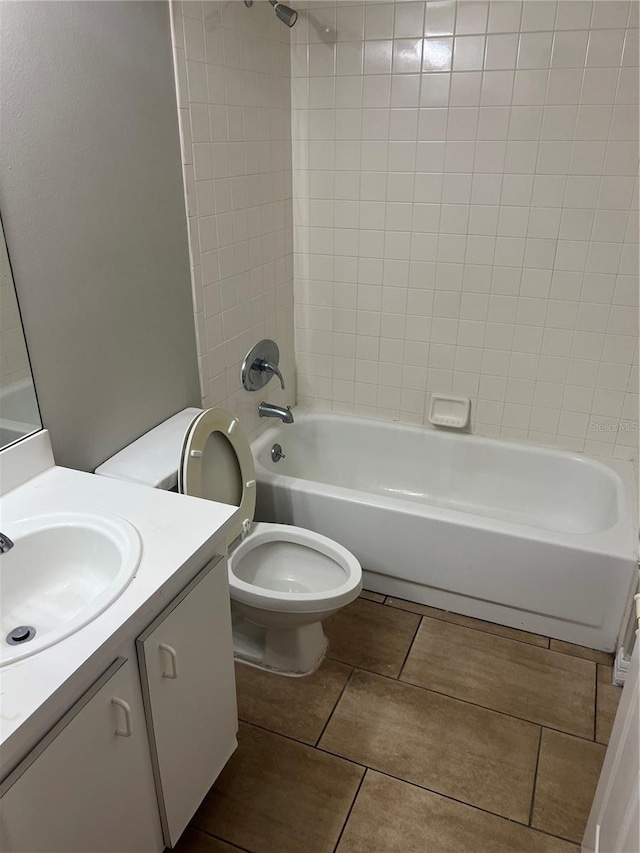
{"x": 421, "y": 731}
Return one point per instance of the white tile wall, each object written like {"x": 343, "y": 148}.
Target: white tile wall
{"x": 234, "y": 98}
{"x": 466, "y": 213}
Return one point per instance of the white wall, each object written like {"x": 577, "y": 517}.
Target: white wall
{"x": 233, "y": 71}
{"x": 465, "y": 200}
{"x": 93, "y": 210}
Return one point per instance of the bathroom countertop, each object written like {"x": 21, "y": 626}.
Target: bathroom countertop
{"x": 179, "y": 534}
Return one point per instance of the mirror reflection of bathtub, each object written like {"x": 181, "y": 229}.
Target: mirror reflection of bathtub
{"x": 534, "y": 538}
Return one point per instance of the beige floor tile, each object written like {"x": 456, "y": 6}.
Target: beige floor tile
{"x": 457, "y": 749}
{"x": 470, "y": 622}
{"x": 196, "y": 841}
{"x": 279, "y": 796}
{"x": 581, "y": 652}
{"x": 419, "y": 821}
{"x": 372, "y": 596}
{"x": 296, "y": 707}
{"x": 534, "y": 684}
{"x": 608, "y": 698}
{"x": 568, "y": 772}
{"x": 371, "y": 636}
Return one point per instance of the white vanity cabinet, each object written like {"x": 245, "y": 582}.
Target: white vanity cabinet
{"x": 126, "y": 768}
{"x": 188, "y": 685}
{"x": 88, "y": 785}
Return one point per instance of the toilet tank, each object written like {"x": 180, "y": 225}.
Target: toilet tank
{"x": 153, "y": 459}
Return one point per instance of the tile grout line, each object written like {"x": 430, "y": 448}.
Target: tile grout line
{"x": 579, "y": 657}
{"x": 335, "y": 705}
{"x": 493, "y": 710}
{"x": 479, "y": 630}
{"x": 491, "y": 633}
{"x": 287, "y": 737}
{"x": 366, "y": 767}
{"x": 413, "y": 639}
{"x": 353, "y": 802}
{"x": 468, "y": 805}
{"x": 451, "y": 798}
{"x": 398, "y": 680}
{"x": 535, "y": 778}
{"x": 195, "y": 828}
{"x": 381, "y": 604}
{"x": 595, "y": 708}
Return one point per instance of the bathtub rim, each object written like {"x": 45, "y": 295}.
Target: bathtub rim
{"x": 618, "y": 540}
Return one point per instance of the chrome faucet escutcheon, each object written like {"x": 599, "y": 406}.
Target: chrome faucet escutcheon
{"x": 276, "y": 453}
{"x": 6, "y": 544}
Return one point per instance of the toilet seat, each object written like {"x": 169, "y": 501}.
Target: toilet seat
{"x": 277, "y": 556}
{"x": 216, "y": 463}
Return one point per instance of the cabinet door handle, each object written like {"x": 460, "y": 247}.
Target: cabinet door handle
{"x": 127, "y": 731}
{"x": 174, "y": 661}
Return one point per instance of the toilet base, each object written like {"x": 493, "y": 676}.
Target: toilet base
{"x": 292, "y": 652}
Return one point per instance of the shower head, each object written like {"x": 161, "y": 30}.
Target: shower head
{"x": 287, "y": 15}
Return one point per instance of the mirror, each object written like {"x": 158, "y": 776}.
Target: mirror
{"x": 19, "y": 414}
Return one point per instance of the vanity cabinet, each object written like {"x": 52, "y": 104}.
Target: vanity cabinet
{"x": 87, "y": 786}
{"x": 126, "y": 768}
{"x": 188, "y": 685}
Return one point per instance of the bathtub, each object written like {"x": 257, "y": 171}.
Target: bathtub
{"x": 534, "y": 538}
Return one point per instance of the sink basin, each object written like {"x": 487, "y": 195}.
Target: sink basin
{"x": 63, "y": 571}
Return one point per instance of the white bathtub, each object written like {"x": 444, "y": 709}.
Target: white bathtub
{"x": 534, "y": 538}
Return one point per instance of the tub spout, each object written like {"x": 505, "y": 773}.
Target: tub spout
{"x": 268, "y": 410}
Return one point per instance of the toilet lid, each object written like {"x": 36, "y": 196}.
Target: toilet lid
{"x": 216, "y": 463}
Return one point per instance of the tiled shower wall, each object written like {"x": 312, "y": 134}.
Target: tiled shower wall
{"x": 234, "y": 98}
{"x": 465, "y": 213}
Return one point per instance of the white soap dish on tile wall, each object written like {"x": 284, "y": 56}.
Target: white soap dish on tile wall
{"x": 450, "y": 412}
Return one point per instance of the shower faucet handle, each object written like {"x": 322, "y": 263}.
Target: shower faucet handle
{"x": 265, "y": 366}
{"x": 260, "y": 364}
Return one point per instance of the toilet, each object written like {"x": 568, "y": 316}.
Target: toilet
{"x": 283, "y": 580}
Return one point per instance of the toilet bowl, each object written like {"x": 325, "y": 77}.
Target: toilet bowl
{"x": 283, "y": 580}
{"x": 286, "y": 581}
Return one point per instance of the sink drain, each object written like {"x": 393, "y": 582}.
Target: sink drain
{"x": 21, "y": 634}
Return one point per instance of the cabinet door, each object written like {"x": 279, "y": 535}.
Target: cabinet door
{"x": 88, "y": 786}
{"x": 614, "y": 821}
{"x": 188, "y": 685}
